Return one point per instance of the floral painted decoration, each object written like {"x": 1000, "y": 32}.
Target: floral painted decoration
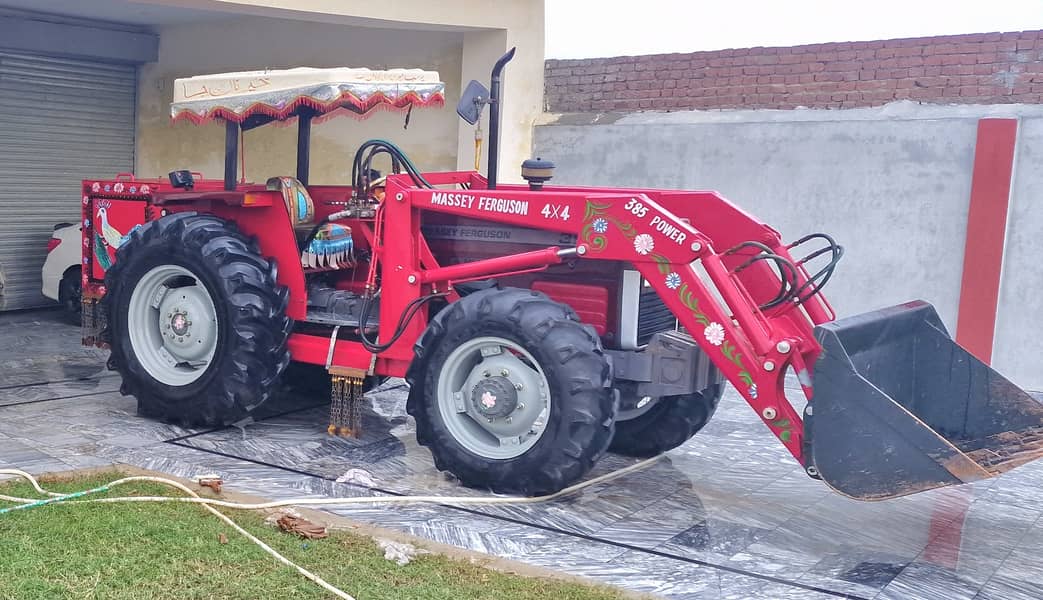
{"x": 600, "y": 225}
{"x": 714, "y": 334}
{"x": 673, "y": 280}
{"x": 118, "y": 188}
{"x": 643, "y": 244}
{"x": 145, "y": 189}
{"x": 96, "y": 187}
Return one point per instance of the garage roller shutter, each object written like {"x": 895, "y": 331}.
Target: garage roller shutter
{"x": 61, "y": 121}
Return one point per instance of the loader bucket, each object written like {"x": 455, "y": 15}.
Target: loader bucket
{"x": 900, "y": 408}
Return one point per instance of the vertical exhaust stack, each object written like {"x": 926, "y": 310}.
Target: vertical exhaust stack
{"x": 472, "y": 103}
{"x": 494, "y": 115}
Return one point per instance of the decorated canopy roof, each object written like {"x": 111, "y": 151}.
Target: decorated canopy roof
{"x": 281, "y": 95}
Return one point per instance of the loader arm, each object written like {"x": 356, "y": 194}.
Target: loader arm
{"x": 752, "y": 348}
{"x": 899, "y": 407}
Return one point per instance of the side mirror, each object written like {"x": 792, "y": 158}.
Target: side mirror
{"x": 473, "y": 101}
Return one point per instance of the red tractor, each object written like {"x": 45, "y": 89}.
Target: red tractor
{"x": 537, "y": 326}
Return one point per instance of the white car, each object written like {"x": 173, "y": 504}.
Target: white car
{"x": 61, "y": 270}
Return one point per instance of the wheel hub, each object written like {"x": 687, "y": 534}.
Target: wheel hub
{"x": 494, "y": 397}
{"x": 180, "y": 324}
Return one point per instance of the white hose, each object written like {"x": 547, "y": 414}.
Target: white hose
{"x": 210, "y": 503}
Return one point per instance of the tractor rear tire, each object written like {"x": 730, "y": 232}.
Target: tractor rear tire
{"x": 508, "y": 352}
{"x": 672, "y": 421}
{"x": 182, "y": 267}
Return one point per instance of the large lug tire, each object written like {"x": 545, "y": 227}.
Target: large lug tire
{"x": 511, "y": 392}
{"x": 195, "y": 275}
{"x": 667, "y": 423}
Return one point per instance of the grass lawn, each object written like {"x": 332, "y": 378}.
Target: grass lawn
{"x": 145, "y": 551}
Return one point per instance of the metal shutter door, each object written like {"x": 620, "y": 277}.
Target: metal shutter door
{"x": 61, "y": 121}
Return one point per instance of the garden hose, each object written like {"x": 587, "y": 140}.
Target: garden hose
{"x": 54, "y": 498}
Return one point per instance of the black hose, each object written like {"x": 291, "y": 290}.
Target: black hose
{"x": 400, "y": 328}
{"x": 787, "y": 271}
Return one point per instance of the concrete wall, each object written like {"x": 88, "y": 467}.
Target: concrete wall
{"x": 891, "y": 184}
{"x": 462, "y": 38}
{"x": 1019, "y": 328}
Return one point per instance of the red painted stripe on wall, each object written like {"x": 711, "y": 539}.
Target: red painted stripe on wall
{"x": 986, "y": 230}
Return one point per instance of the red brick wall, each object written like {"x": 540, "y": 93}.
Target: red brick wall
{"x": 983, "y": 68}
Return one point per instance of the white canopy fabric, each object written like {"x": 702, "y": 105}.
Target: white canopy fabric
{"x": 279, "y": 95}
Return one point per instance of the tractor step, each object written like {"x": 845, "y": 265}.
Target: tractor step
{"x": 330, "y": 306}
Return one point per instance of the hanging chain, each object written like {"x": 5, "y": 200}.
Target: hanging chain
{"x": 346, "y": 396}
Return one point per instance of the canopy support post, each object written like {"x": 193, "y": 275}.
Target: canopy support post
{"x": 231, "y": 154}
{"x": 304, "y": 146}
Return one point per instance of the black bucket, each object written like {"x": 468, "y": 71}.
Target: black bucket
{"x": 900, "y": 408}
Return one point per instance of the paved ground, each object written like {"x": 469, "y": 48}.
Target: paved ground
{"x": 728, "y": 515}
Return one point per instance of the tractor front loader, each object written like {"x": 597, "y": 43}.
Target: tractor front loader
{"x": 537, "y": 325}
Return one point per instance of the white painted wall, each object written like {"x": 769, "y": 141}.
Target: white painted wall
{"x": 258, "y": 43}
{"x": 460, "y": 38}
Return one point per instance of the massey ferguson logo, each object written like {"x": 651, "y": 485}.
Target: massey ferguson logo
{"x": 498, "y": 205}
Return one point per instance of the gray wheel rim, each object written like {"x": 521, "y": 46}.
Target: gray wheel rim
{"x": 500, "y": 436}
{"x": 172, "y": 323}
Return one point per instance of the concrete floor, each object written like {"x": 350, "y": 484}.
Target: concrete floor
{"x": 728, "y": 515}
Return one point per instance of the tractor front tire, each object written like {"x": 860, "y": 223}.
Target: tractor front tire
{"x": 670, "y": 422}
{"x": 196, "y": 321}
{"x": 511, "y": 392}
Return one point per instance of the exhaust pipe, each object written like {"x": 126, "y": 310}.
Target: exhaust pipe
{"x": 494, "y": 115}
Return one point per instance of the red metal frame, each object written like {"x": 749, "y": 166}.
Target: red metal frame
{"x": 986, "y": 233}
{"x": 661, "y": 233}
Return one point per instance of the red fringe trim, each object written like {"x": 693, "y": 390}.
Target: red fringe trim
{"x": 347, "y": 101}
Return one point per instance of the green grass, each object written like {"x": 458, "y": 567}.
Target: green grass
{"x": 158, "y": 551}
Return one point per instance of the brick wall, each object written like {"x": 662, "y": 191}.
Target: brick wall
{"x": 984, "y": 68}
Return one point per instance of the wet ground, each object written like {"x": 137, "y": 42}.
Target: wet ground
{"x": 728, "y": 515}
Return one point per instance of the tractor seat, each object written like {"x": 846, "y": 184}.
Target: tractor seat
{"x": 298, "y": 201}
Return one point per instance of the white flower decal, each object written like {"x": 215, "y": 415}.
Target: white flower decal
{"x": 600, "y": 225}
{"x": 753, "y": 391}
{"x": 145, "y": 189}
{"x": 714, "y": 334}
{"x": 118, "y": 188}
{"x": 86, "y": 199}
{"x": 96, "y": 187}
{"x": 673, "y": 280}
{"x": 643, "y": 244}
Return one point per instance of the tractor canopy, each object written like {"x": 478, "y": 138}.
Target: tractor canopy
{"x": 252, "y": 98}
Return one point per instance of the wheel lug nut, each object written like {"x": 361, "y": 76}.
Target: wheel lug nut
{"x": 508, "y": 419}
{"x": 521, "y": 406}
{"x": 519, "y": 386}
{"x": 505, "y": 372}
{"x": 487, "y": 374}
